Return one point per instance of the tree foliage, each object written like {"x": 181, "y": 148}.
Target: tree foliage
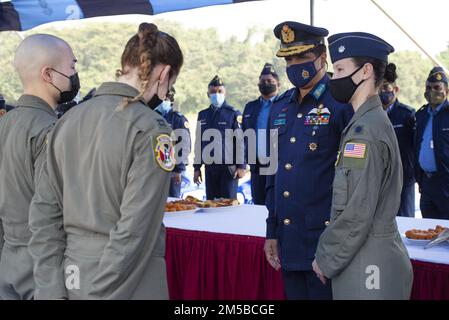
{"x": 98, "y": 47}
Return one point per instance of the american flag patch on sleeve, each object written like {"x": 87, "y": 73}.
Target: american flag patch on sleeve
{"x": 355, "y": 150}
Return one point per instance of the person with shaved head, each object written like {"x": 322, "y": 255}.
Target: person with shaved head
{"x": 46, "y": 67}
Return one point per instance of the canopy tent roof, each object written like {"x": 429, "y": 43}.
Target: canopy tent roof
{"x": 22, "y": 15}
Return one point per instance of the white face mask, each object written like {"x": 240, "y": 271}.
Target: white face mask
{"x": 217, "y": 99}
{"x": 164, "y": 107}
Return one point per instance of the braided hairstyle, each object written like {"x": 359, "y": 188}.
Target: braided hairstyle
{"x": 146, "y": 49}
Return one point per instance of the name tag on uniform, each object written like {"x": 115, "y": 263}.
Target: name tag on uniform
{"x": 398, "y": 126}
{"x": 445, "y": 129}
{"x": 278, "y": 122}
{"x": 355, "y": 150}
{"x": 223, "y": 123}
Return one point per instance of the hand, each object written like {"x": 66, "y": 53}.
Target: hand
{"x": 239, "y": 174}
{"x": 177, "y": 178}
{"x": 271, "y": 253}
{"x": 318, "y": 272}
{"x": 197, "y": 178}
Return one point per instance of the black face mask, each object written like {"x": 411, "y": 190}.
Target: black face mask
{"x": 67, "y": 96}
{"x": 344, "y": 88}
{"x": 154, "y": 102}
{"x": 267, "y": 88}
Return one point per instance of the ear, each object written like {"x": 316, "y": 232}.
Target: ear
{"x": 368, "y": 71}
{"x": 165, "y": 74}
{"x": 396, "y": 90}
{"x": 46, "y": 74}
{"x": 324, "y": 60}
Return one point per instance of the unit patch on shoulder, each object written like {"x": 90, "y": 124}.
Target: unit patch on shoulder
{"x": 164, "y": 152}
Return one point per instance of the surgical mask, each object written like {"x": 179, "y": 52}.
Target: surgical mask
{"x": 267, "y": 88}
{"x": 434, "y": 97}
{"x": 301, "y": 74}
{"x": 69, "y": 95}
{"x": 344, "y": 88}
{"x": 386, "y": 97}
{"x": 217, "y": 99}
{"x": 164, "y": 108}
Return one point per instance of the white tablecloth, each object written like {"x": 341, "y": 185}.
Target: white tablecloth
{"x": 250, "y": 220}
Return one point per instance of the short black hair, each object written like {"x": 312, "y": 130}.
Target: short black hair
{"x": 379, "y": 68}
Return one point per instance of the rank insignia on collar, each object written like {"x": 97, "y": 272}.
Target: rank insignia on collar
{"x": 313, "y": 146}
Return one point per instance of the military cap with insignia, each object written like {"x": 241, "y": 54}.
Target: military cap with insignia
{"x": 216, "y": 82}
{"x": 298, "y": 38}
{"x": 358, "y": 44}
{"x": 268, "y": 69}
{"x": 437, "y": 74}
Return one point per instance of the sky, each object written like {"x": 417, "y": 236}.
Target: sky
{"x": 417, "y": 17}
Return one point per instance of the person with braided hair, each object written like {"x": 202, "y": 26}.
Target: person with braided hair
{"x": 96, "y": 218}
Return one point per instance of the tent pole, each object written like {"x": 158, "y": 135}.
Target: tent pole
{"x": 434, "y": 61}
{"x": 312, "y": 12}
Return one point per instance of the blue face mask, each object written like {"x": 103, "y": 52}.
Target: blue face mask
{"x": 217, "y": 99}
{"x": 387, "y": 97}
{"x": 301, "y": 74}
{"x": 164, "y": 108}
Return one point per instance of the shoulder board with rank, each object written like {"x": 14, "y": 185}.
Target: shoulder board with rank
{"x": 318, "y": 92}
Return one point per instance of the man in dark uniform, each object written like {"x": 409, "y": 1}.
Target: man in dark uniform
{"x": 3, "y": 106}
{"x": 432, "y": 147}
{"x": 222, "y": 171}
{"x": 179, "y": 123}
{"x": 255, "y": 117}
{"x": 403, "y": 119}
{"x": 309, "y": 123}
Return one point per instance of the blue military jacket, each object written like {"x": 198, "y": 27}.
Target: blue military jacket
{"x": 178, "y": 121}
{"x": 403, "y": 119}
{"x": 223, "y": 118}
{"x": 299, "y": 195}
{"x": 440, "y": 142}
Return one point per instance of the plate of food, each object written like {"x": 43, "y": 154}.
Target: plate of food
{"x": 422, "y": 237}
{"x": 218, "y": 205}
{"x": 179, "y": 206}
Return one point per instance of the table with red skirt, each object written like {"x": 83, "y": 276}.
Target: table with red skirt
{"x": 219, "y": 256}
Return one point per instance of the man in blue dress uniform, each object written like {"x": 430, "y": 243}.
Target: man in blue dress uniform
{"x": 4, "y": 107}
{"x": 403, "y": 119}
{"x": 432, "y": 147}
{"x": 309, "y": 123}
{"x": 178, "y": 122}
{"x": 255, "y": 117}
{"x": 224, "y": 165}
